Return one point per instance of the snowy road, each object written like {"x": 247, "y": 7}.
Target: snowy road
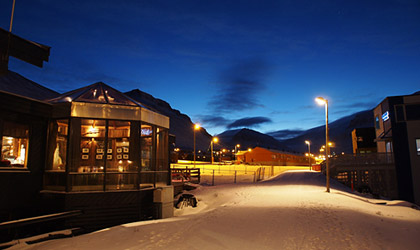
{"x": 292, "y": 211}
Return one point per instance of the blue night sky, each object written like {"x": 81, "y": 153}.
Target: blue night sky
{"x": 230, "y": 64}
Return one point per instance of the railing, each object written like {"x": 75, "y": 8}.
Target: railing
{"x": 363, "y": 159}
{"x": 373, "y": 173}
{"x": 188, "y": 174}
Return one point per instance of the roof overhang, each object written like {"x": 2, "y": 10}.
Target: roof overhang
{"x": 117, "y": 112}
{"x": 25, "y": 50}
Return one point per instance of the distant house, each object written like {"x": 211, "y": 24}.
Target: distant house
{"x": 363, "y": 140}
{"x": 263, "y": 156}
{"x": 397, "y": 126}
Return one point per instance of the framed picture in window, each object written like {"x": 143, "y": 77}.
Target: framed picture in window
{"x": 109, "y": 157}
{"x": 119, "y": 150}
{"x": 85, "y": 157}
{"x": 100, "y": 151}
{"x": 109, "y": 151}
{"x": 85, "y": 150}
{"x": 125, "y": 150}
{"x": 99, "y": 157}
{"x": 119, "y": 157}
{"x": 125, "y": 157}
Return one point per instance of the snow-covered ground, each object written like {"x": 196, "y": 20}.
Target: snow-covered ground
{"x": 290, "y": 211}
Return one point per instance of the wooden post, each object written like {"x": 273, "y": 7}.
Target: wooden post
{"x": 235, "y": 178}
{"x": 212, "y": 181}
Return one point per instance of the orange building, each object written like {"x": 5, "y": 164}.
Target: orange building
{"x": 265, "y": 156}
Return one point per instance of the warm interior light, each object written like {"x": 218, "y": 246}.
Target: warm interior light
{"x": 93, "y": 130}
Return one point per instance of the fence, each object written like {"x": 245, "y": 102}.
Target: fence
{"x": 218, "y": 174}
{"x": 374, "y": 173}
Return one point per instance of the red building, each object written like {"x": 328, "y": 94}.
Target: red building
{"x": 265, "y": 156}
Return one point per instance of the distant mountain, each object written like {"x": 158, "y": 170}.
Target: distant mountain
{"x": 248, "y": 138}
{"x": 180, "y": 124}
{"x": 14, "y": 83}
{"x": 182, "y": 127}
{"x": 339, "y": 133}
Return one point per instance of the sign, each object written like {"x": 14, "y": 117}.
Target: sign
{"x": 385, "y": 116}
{"x": 146, "y": 131}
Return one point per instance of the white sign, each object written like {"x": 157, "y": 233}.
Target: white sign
{"x": 385, "y": 116}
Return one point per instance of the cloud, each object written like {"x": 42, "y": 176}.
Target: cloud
{"x": 249, "y": 122}
{"x": 239, "y": 86}
{"x": 286, "y": 133}
{"x": 214, "y": 121}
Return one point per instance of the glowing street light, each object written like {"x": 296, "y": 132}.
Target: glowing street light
{"x": 322, "y": 101}
{"x": 309, "y": 154}
{"x": 196, "y": 127}
{"x": 215, "y": 140}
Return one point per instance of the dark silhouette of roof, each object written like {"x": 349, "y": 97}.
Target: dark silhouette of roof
{"x": 14, "y": 83}
{"x": 96, "y": 93}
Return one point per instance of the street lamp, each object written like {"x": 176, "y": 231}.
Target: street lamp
{"x": 215, "y": 140}
{"x": 309, "y": 154}
{"x": 196, "y": 127}
{"x": 322, "y": 101}
{"x": 236, "y": 149}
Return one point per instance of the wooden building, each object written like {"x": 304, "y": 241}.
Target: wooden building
{"x": 263, "y": 156}
{"x": 92, "y": 150}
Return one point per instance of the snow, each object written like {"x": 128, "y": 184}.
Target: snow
{"x": 289, "y": 211}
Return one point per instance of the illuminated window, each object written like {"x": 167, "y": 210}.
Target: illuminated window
{"x": 14, "y": 145}
{"x": 146, "y": 147}
{"x": 58, "y": 145}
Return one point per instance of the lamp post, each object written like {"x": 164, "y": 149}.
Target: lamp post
{"x": 196, "y": 127}
{"x": 322, "y": 101}
{"x": 215, "y": 140}
{"x": 236, "y": 149}
{"x": 309, "y": 154}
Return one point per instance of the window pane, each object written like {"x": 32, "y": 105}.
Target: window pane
{"x": 146, "y": 147}
{"x": 14, "y": 147}
{"x": 418, "y": 146}
{"x": 55, "y": 176}
{"x": 92, "y": 146}
{"x": 121, "y": 172}
{"x": 377, "y": 125}
{"x": 58, "y": 145}
{"x": 162, "y": 161}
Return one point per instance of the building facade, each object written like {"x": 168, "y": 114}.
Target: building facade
{"x": 265, "y": 156}
{"x": 363, "y": 140}
{"x": 92, "y": 150}
{"x": 397, "y": 126}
